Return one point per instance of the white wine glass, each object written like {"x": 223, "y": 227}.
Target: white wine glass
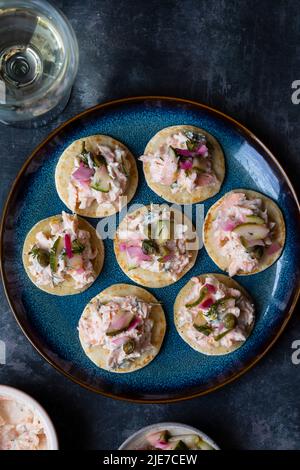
{"x": 38, "y": 62}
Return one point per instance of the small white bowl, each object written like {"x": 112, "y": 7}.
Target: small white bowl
{"x": 137, "y": 440}
{"x": 21, "y": 397}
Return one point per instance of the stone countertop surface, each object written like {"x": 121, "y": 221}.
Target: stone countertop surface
{"x": 241, "y": 60}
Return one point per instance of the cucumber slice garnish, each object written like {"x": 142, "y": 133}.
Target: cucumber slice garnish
{"x": 100, "y": 187}
{"x": 54, "y": 255}
{"x": 202, "y": 294}
{"x": 77, "y": 247}
{"x": 127, "y": 318}
{"x": 204, "y": 329}
{"x": 190, "y": 440}
{"x": 191, "y": 145}
{"x": 101, "y": 181}
{"x": 252, "y": 232}
{"x": 221, "y": 335}
{"x": 149, "y": 247}
{"x": 132, "y": 267}
{"x": 163, "y": 251}
{"x": 179, "y": 445}
{"x": 172, "y": 152}
{"x": 203, "y": 445}
{"x": 255, "y": 250}
{"x": 124, "y": 167}
{"x": 200, "y": 319}
{"x": 163, "y": 230}
{"x": 254, "y": 219}
{"x": 213, "y": 311}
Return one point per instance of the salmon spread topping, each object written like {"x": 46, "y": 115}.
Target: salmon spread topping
{"x": 243, "y": 232}
{"x": 122, "y": 326}
{"x": 98, "y": 176}
{"x": 216, "y": 315}
{"x": 183, "y": 163}
{"x": 154, "y": 241}
{"x": 20, "y": 427}
{"x": 63, "y": 252}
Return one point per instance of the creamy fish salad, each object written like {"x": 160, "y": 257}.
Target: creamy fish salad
{"x": 121, "y": 326}
{"x": 243, "y": 232}
{"x": 20, "y": 427}
{"x": 154, "y": 241}
{"x": 99, "y": 176}
{"x": 215, "y": 315}
{"x": 63, "y": 252}
{"x": 165, "y": 440}
{"x": 183, "y": 162}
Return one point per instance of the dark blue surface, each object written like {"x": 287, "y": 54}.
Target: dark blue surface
{"x": 178, "y": 369}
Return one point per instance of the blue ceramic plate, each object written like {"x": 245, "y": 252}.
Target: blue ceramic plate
{"x": 50, "y": 322}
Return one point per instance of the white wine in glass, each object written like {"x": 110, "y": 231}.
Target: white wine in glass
{"x": 38, "y": 62}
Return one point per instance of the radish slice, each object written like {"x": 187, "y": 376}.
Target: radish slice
{"x": 155, "y": 439}
{"x": 135, "y": 322}
{"x": 134, "y": 252}
{"x": 184, "y": 152}
{"x": 207, "y": 303}
{"x": 83, "y": 174}
{"x": 137, "y": 252}
{"x": 202, "y": 150}
{"x": 212, "y": 289}
{"x": 119, "y": 341}
{"x": 273, "y": 248}
{"x": 162, "y": 445}
{"x": 68, "y": 246}
{"x": 120, "y": 321}
{"x": 228, "y": 225}
{"x": 186, "y": 164}
{"x": 167, "y": 258}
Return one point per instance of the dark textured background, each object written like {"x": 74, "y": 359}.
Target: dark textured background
{"x": 238, "y": 56}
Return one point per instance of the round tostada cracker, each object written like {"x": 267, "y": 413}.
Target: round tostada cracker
{"x": 65, "y": 167}
{"x": 68, "y": 286}
{"x": 182, "y": 330}
{"x": 202, "y": 192}
{"x": 149, "y": 278}
{"x": 98, "y": 354}
{"x": 274, "y": 214}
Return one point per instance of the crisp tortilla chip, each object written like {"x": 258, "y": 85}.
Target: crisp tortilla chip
{"x": 202, "y": 192}
{"x": 68, "y": 286}
{"x": 182, "y": 330}
{"x": 99, "y": 355}
{"x": 65, "y": 168}
{"x": 274, "y": 214}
